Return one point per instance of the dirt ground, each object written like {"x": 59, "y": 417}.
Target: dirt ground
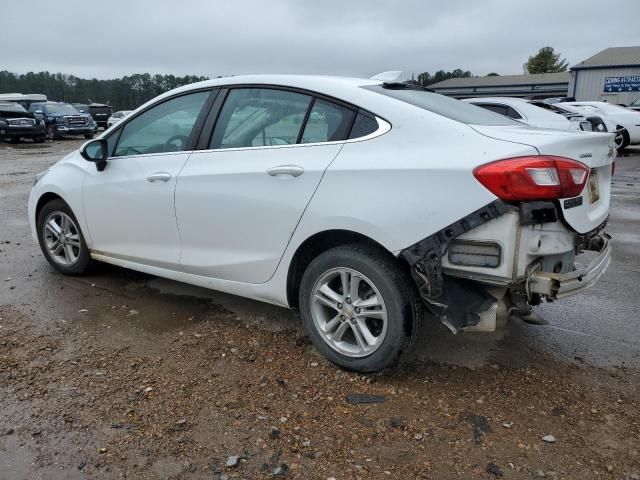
{"x": 123, "y": 375}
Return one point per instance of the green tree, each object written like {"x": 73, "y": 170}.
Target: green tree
{"x": 545, "y": 61}
{"x": 425, "y": 78}
{"x": 124, "y": 93}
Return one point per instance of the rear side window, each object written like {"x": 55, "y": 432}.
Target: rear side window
{"x": 447, "y": 107}
{"x": 364, "y": 125}
{"x": 260, "y": 117}
{"x": 327, "y": 122}
{"x": 501, "y": 109}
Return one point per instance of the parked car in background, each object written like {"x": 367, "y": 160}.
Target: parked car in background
{"x": 523, "y": 111}
{"x": 599, "y": 121}
{"x": 356, "y": 201}
{"x": 623, "y": 117}
{"x": 63, "y": 119}
{"x": 16, "y": 123}
{"x": 117, "y": 117}
{"x": 99, "y": 111}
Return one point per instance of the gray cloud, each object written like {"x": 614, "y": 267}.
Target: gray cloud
{"x": 111, "y": 38}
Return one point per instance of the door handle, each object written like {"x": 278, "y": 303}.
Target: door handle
{"x": 159, "y": 177}
{"x": 290, "y": 170}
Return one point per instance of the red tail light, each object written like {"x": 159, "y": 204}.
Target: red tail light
{"x": 533, "y": 178}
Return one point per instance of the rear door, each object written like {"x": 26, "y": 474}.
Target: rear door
{"x": 238, "y": 201}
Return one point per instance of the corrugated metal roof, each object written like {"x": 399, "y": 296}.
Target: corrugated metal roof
{"x": 503, "y": 80}
{"x": 613, "y": 56}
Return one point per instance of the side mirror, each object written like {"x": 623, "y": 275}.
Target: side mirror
{"x": 97, "y": 152}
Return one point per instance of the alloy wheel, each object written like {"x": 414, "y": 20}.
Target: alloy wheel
{"x": 62, "y": 238}
{"x": 348, "y": 312}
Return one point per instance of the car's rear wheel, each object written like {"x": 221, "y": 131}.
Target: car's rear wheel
{"x": 358, "y": 307}
{"x": 88, "y": 136}
{"x": 61, "y": 239}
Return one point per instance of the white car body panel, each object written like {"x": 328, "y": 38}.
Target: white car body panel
{"x": 130, "y": 216}
{"x": 221, "y": 221}
{"x": 244, "y": 203}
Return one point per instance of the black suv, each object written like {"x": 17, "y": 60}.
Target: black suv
{"x": 99, "y": 111}
{"x": 63, "y": 119}
{"x": 17, "y": 123}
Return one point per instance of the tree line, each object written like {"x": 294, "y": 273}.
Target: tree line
{"x": 124, "y": 93}
{"x": 129, "y": 92}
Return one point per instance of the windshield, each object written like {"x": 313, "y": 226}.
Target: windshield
{"x": 63, "y": 108}
{"x": 635, "y": 103}
{"x": 447, "y": 107}
{"x": 12, "y": 107}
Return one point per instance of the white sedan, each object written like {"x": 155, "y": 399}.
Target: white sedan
{"x": 543, "y": 115}
{"x": 117, "y": 117}
{"x": 622, "y": 116}
{"x": 358, "y": 202}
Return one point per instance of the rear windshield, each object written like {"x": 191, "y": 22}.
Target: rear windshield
{"x": 447, "y": 107}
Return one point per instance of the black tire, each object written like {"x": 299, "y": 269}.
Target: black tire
{"x": 51, "y": 134}
{"x": 14, "y": 140}
{"x": 404, "y": 311}
{"x": 88, "y": 136}
{"x": 83, "y": 261}
{"x": 40, "y": 139}
{"x": 625, "y": 142}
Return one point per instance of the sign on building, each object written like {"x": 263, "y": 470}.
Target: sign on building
{"x": 629, "y": 83}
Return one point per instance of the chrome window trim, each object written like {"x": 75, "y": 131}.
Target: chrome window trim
{"x": 383, "y": 127}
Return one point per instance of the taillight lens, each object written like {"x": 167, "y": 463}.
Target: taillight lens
{"x": 533, "y": 178}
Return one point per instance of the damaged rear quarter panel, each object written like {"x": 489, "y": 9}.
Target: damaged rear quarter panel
{"x": 407, "y": 184}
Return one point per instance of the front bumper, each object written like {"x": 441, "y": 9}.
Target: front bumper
{"x": 561, "y": 285}
{"x": 22, "y": 131}
{"x": 73, "y": 130}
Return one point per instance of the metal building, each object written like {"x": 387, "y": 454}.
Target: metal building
{"x": 543, "y": 85}
{"x": 613, "y": 75}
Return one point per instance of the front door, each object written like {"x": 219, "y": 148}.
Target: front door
{"x": 130, "y": 205}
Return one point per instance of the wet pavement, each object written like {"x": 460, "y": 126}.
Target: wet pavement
{"x": 78, "y": 353}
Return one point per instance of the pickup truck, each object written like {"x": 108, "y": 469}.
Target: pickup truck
{"x": 63, "y": 119}
{"x": 99, "y": 111}
{"x": 16, "y": 123}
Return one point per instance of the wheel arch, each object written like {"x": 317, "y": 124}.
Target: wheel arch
{"x": 44, "y": 199}
{"x": 317, "y": 244}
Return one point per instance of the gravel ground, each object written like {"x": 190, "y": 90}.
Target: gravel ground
{"x": 123, "y": 375}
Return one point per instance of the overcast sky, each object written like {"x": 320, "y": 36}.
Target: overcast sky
{"x": 111, "y": 38}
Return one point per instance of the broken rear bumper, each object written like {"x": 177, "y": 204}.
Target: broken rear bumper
{"x": 561, "y": 285}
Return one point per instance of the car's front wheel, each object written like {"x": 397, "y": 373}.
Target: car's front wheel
{"x": 61, "y": 239}
{"x": 359, "y": 307}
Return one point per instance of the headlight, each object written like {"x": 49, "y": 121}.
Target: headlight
{"x": 38, "y": 176}
{"x": 59, "y": 120}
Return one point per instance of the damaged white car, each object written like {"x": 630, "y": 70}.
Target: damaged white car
{"x": 358, "y": 202}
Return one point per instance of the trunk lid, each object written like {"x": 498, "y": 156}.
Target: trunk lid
{"x": 596, "y": 150}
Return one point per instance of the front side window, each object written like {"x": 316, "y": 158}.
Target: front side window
{"x": 163, "y": 128}
{"x": 259, "y": 117}
{"x": 327, "y": 122}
